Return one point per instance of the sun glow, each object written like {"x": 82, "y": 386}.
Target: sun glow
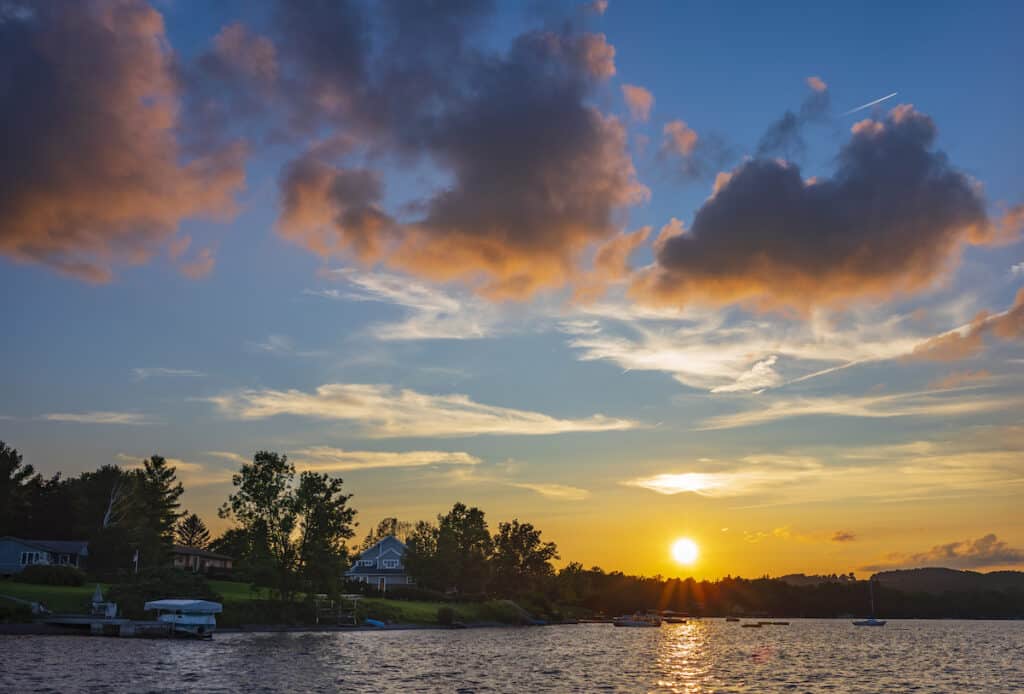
{"x": 685, "y": 551}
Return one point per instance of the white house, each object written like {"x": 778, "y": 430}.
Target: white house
{"x": 381, "y": 565}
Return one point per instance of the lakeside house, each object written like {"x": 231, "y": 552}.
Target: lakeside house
{"x": 200, "y": 560}
{"x": 382, "y": 565}
{"x": 17, "y": 553}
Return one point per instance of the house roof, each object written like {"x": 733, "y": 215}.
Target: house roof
{"x": 80, "y": 547}
{"x": 196, "y": 552}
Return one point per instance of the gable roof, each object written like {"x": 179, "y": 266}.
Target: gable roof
{"x": 385, "y": 544}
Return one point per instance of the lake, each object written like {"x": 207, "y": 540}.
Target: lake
{"x": 705, "y": 655}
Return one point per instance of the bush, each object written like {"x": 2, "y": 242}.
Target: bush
{"x": 445, "y": 616}
{"x": 15, "y": 613}
{"x": 156, "y": 584}
{"x": 49, "y": 575}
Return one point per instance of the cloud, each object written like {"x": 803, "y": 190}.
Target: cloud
{"x": 679, "y": 138}
{"x": 98, "y": 417}
{"x": 228, "y": 455}
{"x": 93, "y": 175}
{"x": 328, "y": 459}
{"x": 560, "y": 492}
{"x": 1017, "y": 269}
{"x": 786, "y": 134}
{"x": 190, "y": 474}
{"x": 843, "y": 536}
{"x": 969, "y": 340}
{"x": 760, "y": 376}
{"x": 924, "y": 404}
{"x": 986, "y": 551}
{"x": 434, "y": 314}
{"x": 639, "y": 100}
{"x": 284, "y": 346}
{"x": 384, "y": 411}
{"x": 749, "y": 475}
{"x": 957, "y": 379}
{"x": 892, "y": 219}
{"x": 423, "y": 86}
{"x": 200, "y": 266}
{"x": 143, "y": 373}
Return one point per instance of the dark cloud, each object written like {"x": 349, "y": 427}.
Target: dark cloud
{"x": 785, "y": 136}
{"x": 92, "y": 173}
{"x": 537, "y": 174}
{"x": 892, "y": 219}
{"x": 843, "y": 536}
{"x": 983, "y": 552}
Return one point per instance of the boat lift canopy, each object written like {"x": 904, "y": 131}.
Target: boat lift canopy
{"x": 186, "y": 606}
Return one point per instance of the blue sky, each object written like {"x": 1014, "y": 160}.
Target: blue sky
{"x": 763, "y": 426}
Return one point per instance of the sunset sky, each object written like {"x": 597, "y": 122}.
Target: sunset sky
{"x": 628, "y": 271}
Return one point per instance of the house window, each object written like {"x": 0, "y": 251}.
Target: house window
{"x": 390, "y": 563}
{"x": 367, "y": 562}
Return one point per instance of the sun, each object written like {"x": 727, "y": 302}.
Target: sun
{"x": 685, "y": 550}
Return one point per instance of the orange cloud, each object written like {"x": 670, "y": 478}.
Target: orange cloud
{"x": 92, "y": 173}
{"x": 959, "y": 378}
{"x": 817, "y": 84}
{"x": 679, "y": 138}
{"x": 639, "y": 100}
{"x": 970, "y": 340}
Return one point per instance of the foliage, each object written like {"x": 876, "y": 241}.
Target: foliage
{"x": 50, "y": 575}
{"x": 16, "y": 479}
{"x": 521, "y": 561}
{"x": 294, "y": 533}
{"x": 389, "y": 527}
{"x": 156, "y": 584}
{"x": 452, "y": 555}
{"x": 445, "y": 615}
{"x": 191, "y": 531}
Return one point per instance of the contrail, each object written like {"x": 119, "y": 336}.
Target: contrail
{"x": 870, "y": 103}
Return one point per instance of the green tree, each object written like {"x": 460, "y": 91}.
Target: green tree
{"x": 421, "y": 561}
{"x": 16, "y": 481}
{"x": 296, "y": 533}
{"x": 521, "y": 560}
{"x": 464, "y": 547}
{"x": 325, "y": 523}
{"x": 191, "y": 531}
{"x": 151, "y": 510}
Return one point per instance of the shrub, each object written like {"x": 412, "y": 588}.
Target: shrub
{"x": 445, "y": 616}
{"x": 156, "y": 584}
{"x": 49, "y": 575}
{"x": 15, "y": 613}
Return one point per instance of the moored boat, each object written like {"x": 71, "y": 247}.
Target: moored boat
{"x": 870, "y": 621}
{"x": 187, "y": 617}
{"x": 637, "y": 620}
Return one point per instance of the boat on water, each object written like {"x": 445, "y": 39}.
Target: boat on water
{"x": 637, "y": 620}
{"x": 732, "y": 619}
{"x": 751, "y": 625}
{"x": 870, "y": 621}
{"x": 187, "y": 617}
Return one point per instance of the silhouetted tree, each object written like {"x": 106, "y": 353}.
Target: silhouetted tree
{"x": 192, "y": 532}
{"x": 521, "y": 561}
{"x": 452, "y": 555}
{"x": 389, "y": 527}
{"x": 16, "y": 480}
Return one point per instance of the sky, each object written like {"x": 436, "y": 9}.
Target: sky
{"x": 627, "y": 271}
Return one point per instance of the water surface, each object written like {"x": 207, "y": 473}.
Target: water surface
{"x": 703, "y": 656}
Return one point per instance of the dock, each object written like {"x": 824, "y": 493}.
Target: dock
{"x": 111, "y": 626}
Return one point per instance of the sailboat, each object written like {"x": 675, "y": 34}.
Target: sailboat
{"x": 870, "y": 621}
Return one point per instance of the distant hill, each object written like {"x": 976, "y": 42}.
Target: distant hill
{"x": 940, "y": 580}
{"x": 813, "y": 580}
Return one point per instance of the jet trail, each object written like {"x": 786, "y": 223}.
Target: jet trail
{"x": 870, "y": 103}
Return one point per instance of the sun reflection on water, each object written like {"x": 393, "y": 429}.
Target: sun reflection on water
{"x": 684, "y": 659}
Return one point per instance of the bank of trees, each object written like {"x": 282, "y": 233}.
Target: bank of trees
{"x": 458, "y": 554}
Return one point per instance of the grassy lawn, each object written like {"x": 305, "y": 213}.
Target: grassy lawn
{"x": 233, "y": 591}
{"x": 57, "y": 598}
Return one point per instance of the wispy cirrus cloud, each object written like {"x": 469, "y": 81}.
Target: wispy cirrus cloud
{"x": 330, "y": 459}
{"x": 950, "y": 403}
{"x": 98, "y": 417}
{"x": 432, "y": 313}
{"x": 386, "y": 412}
{"x": 143, "y": 373}
{"x": 284, "y": 346}
{"x": 562, "y": 492}
{"x": 190, "y": 473}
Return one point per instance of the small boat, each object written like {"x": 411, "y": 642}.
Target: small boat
{"x": 751, "y": 625}
{"x": 732, "y": 619}
{"x": 780, "y": 624}
{"x": 637, "y": 620}
{"x": 870, "y": 621}
{"x": 187, "y": 617}
{"x": 674, "y": 620}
